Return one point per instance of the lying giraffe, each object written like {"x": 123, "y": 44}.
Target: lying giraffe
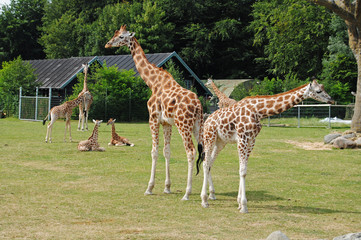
{"x": 223, "y": 100}
{"x": 117, "y": 140}
{"x": 92, "y": 143}
{"x": 85, "y": 105}
{"x": 240, "y": 124}
{"x": 62, "y": 111}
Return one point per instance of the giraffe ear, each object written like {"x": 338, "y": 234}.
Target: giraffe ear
{"x": 100, "y": 121}
{"x": 114, "y": 120}
{"x": 94, "y": 121}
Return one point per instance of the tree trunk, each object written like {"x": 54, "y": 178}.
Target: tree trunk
{"x": 356, "y": 118}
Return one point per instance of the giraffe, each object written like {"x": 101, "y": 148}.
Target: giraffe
{"x": 223, "y": 100}
{"x": 62, "y": 111}
{"x": 170, "y": 104}
{"x": 92, "y": 143}
{"x": 117, "y": 140}
{"x": 88, "y": 99}
{"x": 240, "y": 124}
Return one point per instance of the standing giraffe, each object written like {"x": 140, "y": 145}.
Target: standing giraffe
{"x": 92, "y": 143}
{"x": 85, "y": 105}
{"x": 170, "y": 104}
{"x": 117, "y": 140}
{"x": 62, "y": 111}
{"x": 240, "y": 124}
{"x": 223, "y": 100}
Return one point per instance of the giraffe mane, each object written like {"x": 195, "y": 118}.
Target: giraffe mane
{"x": 279, "y": 94}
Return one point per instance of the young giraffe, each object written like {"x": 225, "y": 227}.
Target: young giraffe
{"x": 88, "y": 100}
{"x": 223, "y": 100}
{"x": 240, "y": 124}
{"x": 62, "y": 111}
{"x": 117, "y": 140}
{"x": 170, "y": 104}
{"x": 92, "y": 143}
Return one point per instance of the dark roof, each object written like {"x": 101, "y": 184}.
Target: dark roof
{"x": 58, "y": 73}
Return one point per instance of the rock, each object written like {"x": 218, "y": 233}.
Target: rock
{"x": 358, "y": 142}
{"x": 277, "y": 235}
{"x": 343, "y": 143}
{"x": 348, "y": 132}
{"x": 328, "y": 138}
{"x": 348, "y": 136}
{"x": 350, "y": 236}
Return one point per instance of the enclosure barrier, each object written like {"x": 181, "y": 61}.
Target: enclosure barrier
{"x": 34, "y": 108}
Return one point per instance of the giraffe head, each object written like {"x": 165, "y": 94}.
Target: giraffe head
{"x": 121, "y": 37}
{"x": 97, "y": 122}
{"x": 209, "y": 82}
{"x": 317, "y": 92}
{"x": 111, "y": 121}
{"x": 85, "y": 67}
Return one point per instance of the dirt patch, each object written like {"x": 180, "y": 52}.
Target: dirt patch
{"x": 310, "y": 145}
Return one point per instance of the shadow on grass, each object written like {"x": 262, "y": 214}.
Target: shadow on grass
{"x": 254, "y": 195}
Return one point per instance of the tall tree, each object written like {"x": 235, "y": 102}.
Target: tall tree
{"x": 350, "y": 12}
{"x": 19, "y": 29}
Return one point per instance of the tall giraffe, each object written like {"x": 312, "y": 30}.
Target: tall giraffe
{"x": 88, "y": 99}
{"x": 92, "y": 143}
{"x": 240, "y": 124}
{"x": 62, "y": 111}
{"x": 170, "y": 104}
{"x": 223, "y": 100}
{"x": 117, "y": 140}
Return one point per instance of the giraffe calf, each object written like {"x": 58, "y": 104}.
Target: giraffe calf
{"x": 92, "y": 143}
{"x": 117, "y": 140}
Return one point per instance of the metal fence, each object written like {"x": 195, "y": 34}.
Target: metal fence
{"x": 34, "y": 107}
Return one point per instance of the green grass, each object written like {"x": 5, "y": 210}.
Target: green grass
{"x": 53, "y": 191}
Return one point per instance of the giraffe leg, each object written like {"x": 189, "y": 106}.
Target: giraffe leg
{"x": 69, "y": 126}
{"x": 154, "y": 127}
{"x": 167, "y": 132}
{"x": 50, "y": 128}
{"x": 80, "y": 116}
{"x": 216, "y": 150}
{"x": 191, "y": 154}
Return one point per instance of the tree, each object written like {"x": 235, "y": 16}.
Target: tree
{"x": 350, "y": 12}
{"x": 19, "y": 29}
{"x": 294, "y": 35}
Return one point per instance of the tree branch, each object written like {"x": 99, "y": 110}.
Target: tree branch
{"x": 337, "y": 6}
{"x": 358, "y": 10}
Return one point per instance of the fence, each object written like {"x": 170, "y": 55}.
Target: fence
{"x": 34, "y": 107}
{"x": 313, "y": 115}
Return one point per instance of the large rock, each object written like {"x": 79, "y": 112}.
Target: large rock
{"x": 358, "y": 142}
{"x": 343, "y": 143}
{"x": 328, "y": 138}
{"x": 350, "y": 236}
{"x": 277, "y": 235}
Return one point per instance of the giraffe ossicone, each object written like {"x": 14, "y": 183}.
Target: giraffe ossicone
{"x": 170, "y": 104}
{"x": 240, "y": 124}
{"x": 91, "y": 144}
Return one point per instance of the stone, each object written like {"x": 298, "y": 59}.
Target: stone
{"x": 358, "y": 142}
{"x": 348, "y": 136}
{"x": 328, "y": 138}
{"x": 350, "y": 236}
{"x": 277, "y": 235}
{"x": 343, "y": 143}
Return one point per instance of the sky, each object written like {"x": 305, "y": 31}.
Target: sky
{"x": 3, "y": 2}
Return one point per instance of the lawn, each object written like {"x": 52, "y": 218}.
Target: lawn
{"x": 53, "y": 191}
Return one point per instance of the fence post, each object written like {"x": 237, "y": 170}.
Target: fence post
{"x": 329, "y": 116}
{"x": 130, "y": 105}
{"x": 49, "y": 102}
{"x": 299, "y": 116}
{"x": 269, "y": 121}
{"x": 20, "y": 92}
{"x": 36, "y": 104}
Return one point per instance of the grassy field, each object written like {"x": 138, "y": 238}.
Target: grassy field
{"x": 52, "y": 191}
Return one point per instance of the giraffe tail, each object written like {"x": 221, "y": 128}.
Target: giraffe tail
{"x": 46, "y": 118}
{"x": 200, "y": 157}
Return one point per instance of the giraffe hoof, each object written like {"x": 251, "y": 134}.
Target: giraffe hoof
{"x": 185, "y": 198}
{"x": 212, "y": 196}
{"x": 148, "y": 193}
{"x": 244, "y": 210}
{"x": 205, "y": 204}
{"x": 167, "y": 191}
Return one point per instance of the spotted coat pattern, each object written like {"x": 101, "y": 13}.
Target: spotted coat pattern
{"x": 240, "y": 124}
{"x": 170, "y": 104}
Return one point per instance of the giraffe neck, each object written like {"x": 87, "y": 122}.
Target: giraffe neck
{"x": 217, "y": 91}
{"x": 76, "y": 101}
{"x": 114, "y": 134}
{"x": 85, "y": 87}
{"x": 94, "y": 135}
{"x": 271, "y": 105}
{"x": 149, "y": 72}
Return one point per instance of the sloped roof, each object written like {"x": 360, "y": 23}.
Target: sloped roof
{"x": 57, "y": 73}
{"x": 227, "y": 86}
